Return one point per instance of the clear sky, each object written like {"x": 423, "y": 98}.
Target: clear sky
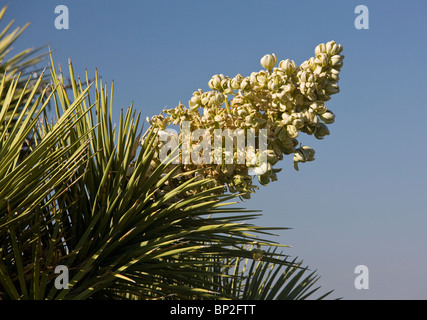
{"x": 363, "y": 200}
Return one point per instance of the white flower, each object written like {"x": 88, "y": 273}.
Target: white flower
{"x": 332, "y": 88}
{"x": 268, "y": 61}
{"x": 288, "y": 65}
{"x": 336, "y": 60}
{"x": 321, "y": 48}
{"x": 215, "y": 82}
{"x": 328, "y": 117}
{"x": 261, "y": 169}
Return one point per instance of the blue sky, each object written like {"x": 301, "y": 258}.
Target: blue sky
{"x": 363, "y": 201}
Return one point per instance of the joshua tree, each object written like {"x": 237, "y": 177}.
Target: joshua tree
{"x": 126, "y": 223}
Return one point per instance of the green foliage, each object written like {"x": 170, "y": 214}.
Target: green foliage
{"x": 22, "y": 63}
{"x": 263, "y": 280}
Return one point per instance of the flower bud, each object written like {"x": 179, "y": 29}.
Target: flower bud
{"x": 236, "y": 81}
{"x": 264, "y": 179}
{"x": 335, "y": 71}
{"x": 308, "y": 153}
{"x": 237, "y": 100}
{"x": 318, "y": 70}
{"x": 311, "y": 116}
{"x": 334, "y": 77}
{"x": 336, "y": 60}
{"x": 322, "y": 59}
{"x": 192, "y": 105}
{"x": 304, "y": 154}
{"x": 329, "y": 47}
{"x": 321, "y": 48}
{"x": 206, "y": 98}
{"x": 321, "y": 131}
{"x": 215, "y": 82}
{"x": 272, "y": 86}
{"x": 219, "y": 98}
{"x": 195, "y": 100}
{"x": 260, "y": 79}
{"x": 303, "y": 76}
{"x": 298, "y": 156}
{"x": 332, "y": 88}
{"x": 318, "y": 108}
{"x": 268, "y": 61}
{"x": 328, "y": 117}
{"x": 292, "y": 131}
{"x": 245, "y": 84}
{"x": 336, "y": 49}
{"x": 288, "y": 66}
{"x": 242, "y": 112}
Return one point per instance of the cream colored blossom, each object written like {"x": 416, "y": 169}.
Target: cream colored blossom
{"x": 286, "y": 100}
{"x": 269, "y": 61}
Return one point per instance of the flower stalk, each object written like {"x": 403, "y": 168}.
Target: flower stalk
{"x": 285, "y": 100}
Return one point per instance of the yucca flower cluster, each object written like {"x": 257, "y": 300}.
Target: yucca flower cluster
{"x": 283, "y": 99}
